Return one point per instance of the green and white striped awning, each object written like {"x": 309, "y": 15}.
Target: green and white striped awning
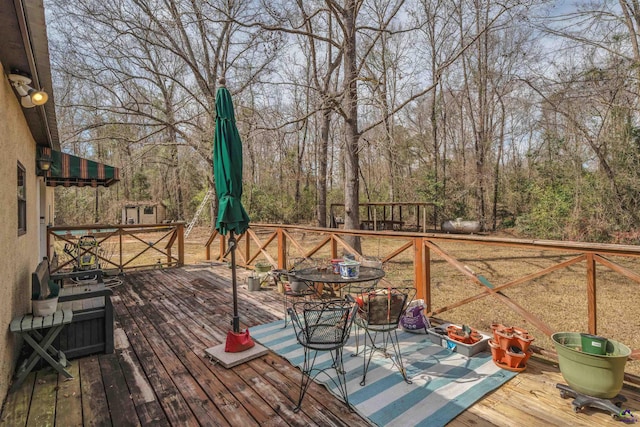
{"x": 69, "y": 170}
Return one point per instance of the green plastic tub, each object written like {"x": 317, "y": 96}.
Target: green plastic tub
{"x": 591, "y": 374}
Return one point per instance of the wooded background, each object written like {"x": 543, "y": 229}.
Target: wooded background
{"x": 518, "y": 113}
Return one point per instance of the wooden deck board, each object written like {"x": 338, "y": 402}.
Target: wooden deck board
{"x": 114, "y": 384}
{"x": 159, "y": 375}
{"x": 43, "y": 403}
{"x": 68, "y": 403}
{"x": 190, "y": 366}
{"x": 170, "y": 399}
{"x": 19, "y": 401}
{"x": 227, "y": 389}
{"x": 147, "y": 406}
{"x": 95, "y": 409}
{"x": 186, "y": 383}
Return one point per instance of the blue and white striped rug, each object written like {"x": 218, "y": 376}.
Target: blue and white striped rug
{"x": 445, "y": 383}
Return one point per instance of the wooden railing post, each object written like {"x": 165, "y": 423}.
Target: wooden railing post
{"x": 427, "y": 276}
{"x": 421, "y": 271}
{"x": 180, "y": 232}
{"x": 282, "y": 249}
{"x": 121, "y": 262}
{"x": 591, "y": 294}
{"x": 334, "y": 247}
{"x": 207, "y": 245}
{"x": 247, "y": 247}
{"x": 170, "y": 246}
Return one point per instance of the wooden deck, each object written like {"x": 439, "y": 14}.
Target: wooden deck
{"x": 158, "y": 375}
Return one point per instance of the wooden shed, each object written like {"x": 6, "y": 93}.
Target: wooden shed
{"x": 147, "y": 212}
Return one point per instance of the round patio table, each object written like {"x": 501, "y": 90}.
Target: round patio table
{"x": 321, "y": 275}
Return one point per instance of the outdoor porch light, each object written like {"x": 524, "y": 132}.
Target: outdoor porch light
{"x": 44, "y": 163}
{"x": 29, "y": 97}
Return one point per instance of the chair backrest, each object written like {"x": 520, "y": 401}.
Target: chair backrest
{"x": 384, "y": 306}
{"x": 323, "y": 323}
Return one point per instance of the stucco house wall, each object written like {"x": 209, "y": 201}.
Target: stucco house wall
{"x": 20, "y": 253}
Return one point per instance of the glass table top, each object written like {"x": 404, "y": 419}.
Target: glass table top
{"x": 326, "y": 275}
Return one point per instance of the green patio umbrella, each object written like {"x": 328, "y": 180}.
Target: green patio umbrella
{"x": 227, "y": 171}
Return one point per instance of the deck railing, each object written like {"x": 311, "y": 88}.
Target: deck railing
{"x": 117, "y": 247}
{"x": 550, "y": 285}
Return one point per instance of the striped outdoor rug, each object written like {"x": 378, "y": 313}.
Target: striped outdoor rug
{"x": 444, "y": 383}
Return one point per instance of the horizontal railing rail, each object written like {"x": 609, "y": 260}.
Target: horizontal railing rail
{"x": 550, "y": 285}
{"x": 117, "y": 247}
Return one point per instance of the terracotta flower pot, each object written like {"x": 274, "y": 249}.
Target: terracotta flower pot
{"x": 505, "y": 338}
{"x": 455, "y": 333}
{"x": 510, "y": 347}
{"x": 496, "y": 352}
{"x": 519, "y": 331}
{"x": 495, "y": 327}
{"x": 514, "y": 357}
{"x": 458, "y": 334}
{"x": 524, "y": 340}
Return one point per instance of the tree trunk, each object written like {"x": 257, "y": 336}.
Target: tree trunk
{"x": 323, "y": 150}
{"x": 175, "y": 169}
{"x": 496, "y": 173}
{"x": 352, "y": 160}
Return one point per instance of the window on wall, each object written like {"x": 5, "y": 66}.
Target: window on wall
{"x": 148, "y": 210}
{"x": 22, "y": 200}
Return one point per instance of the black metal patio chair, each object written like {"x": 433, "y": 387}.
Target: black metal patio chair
{"x": 296, "y": 289}
{"x": 323, "y": 326}
{"x": 378, "y": 315}
{"x": 355, "y": 289}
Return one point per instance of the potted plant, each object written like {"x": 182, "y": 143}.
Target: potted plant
{"x": 44, "y": 305}
{"x": 262, "y": 267}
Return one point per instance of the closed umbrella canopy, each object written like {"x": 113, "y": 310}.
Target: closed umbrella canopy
{"x": 227, "y": 167}
{"x": 227, "y": 171}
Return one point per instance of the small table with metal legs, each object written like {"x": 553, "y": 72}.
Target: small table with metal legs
{"x": 30, "y": 327}
{"x": 326, "y": 276}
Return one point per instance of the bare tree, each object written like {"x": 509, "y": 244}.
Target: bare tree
{"x": 136, "y": 54}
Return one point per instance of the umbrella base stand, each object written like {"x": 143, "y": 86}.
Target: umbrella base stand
{"x": 229, "y": 360}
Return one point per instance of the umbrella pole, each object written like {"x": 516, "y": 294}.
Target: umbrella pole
{"x": 236, "y": 319}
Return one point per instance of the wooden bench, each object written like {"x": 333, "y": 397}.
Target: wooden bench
{"x": 91, "y": 330}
